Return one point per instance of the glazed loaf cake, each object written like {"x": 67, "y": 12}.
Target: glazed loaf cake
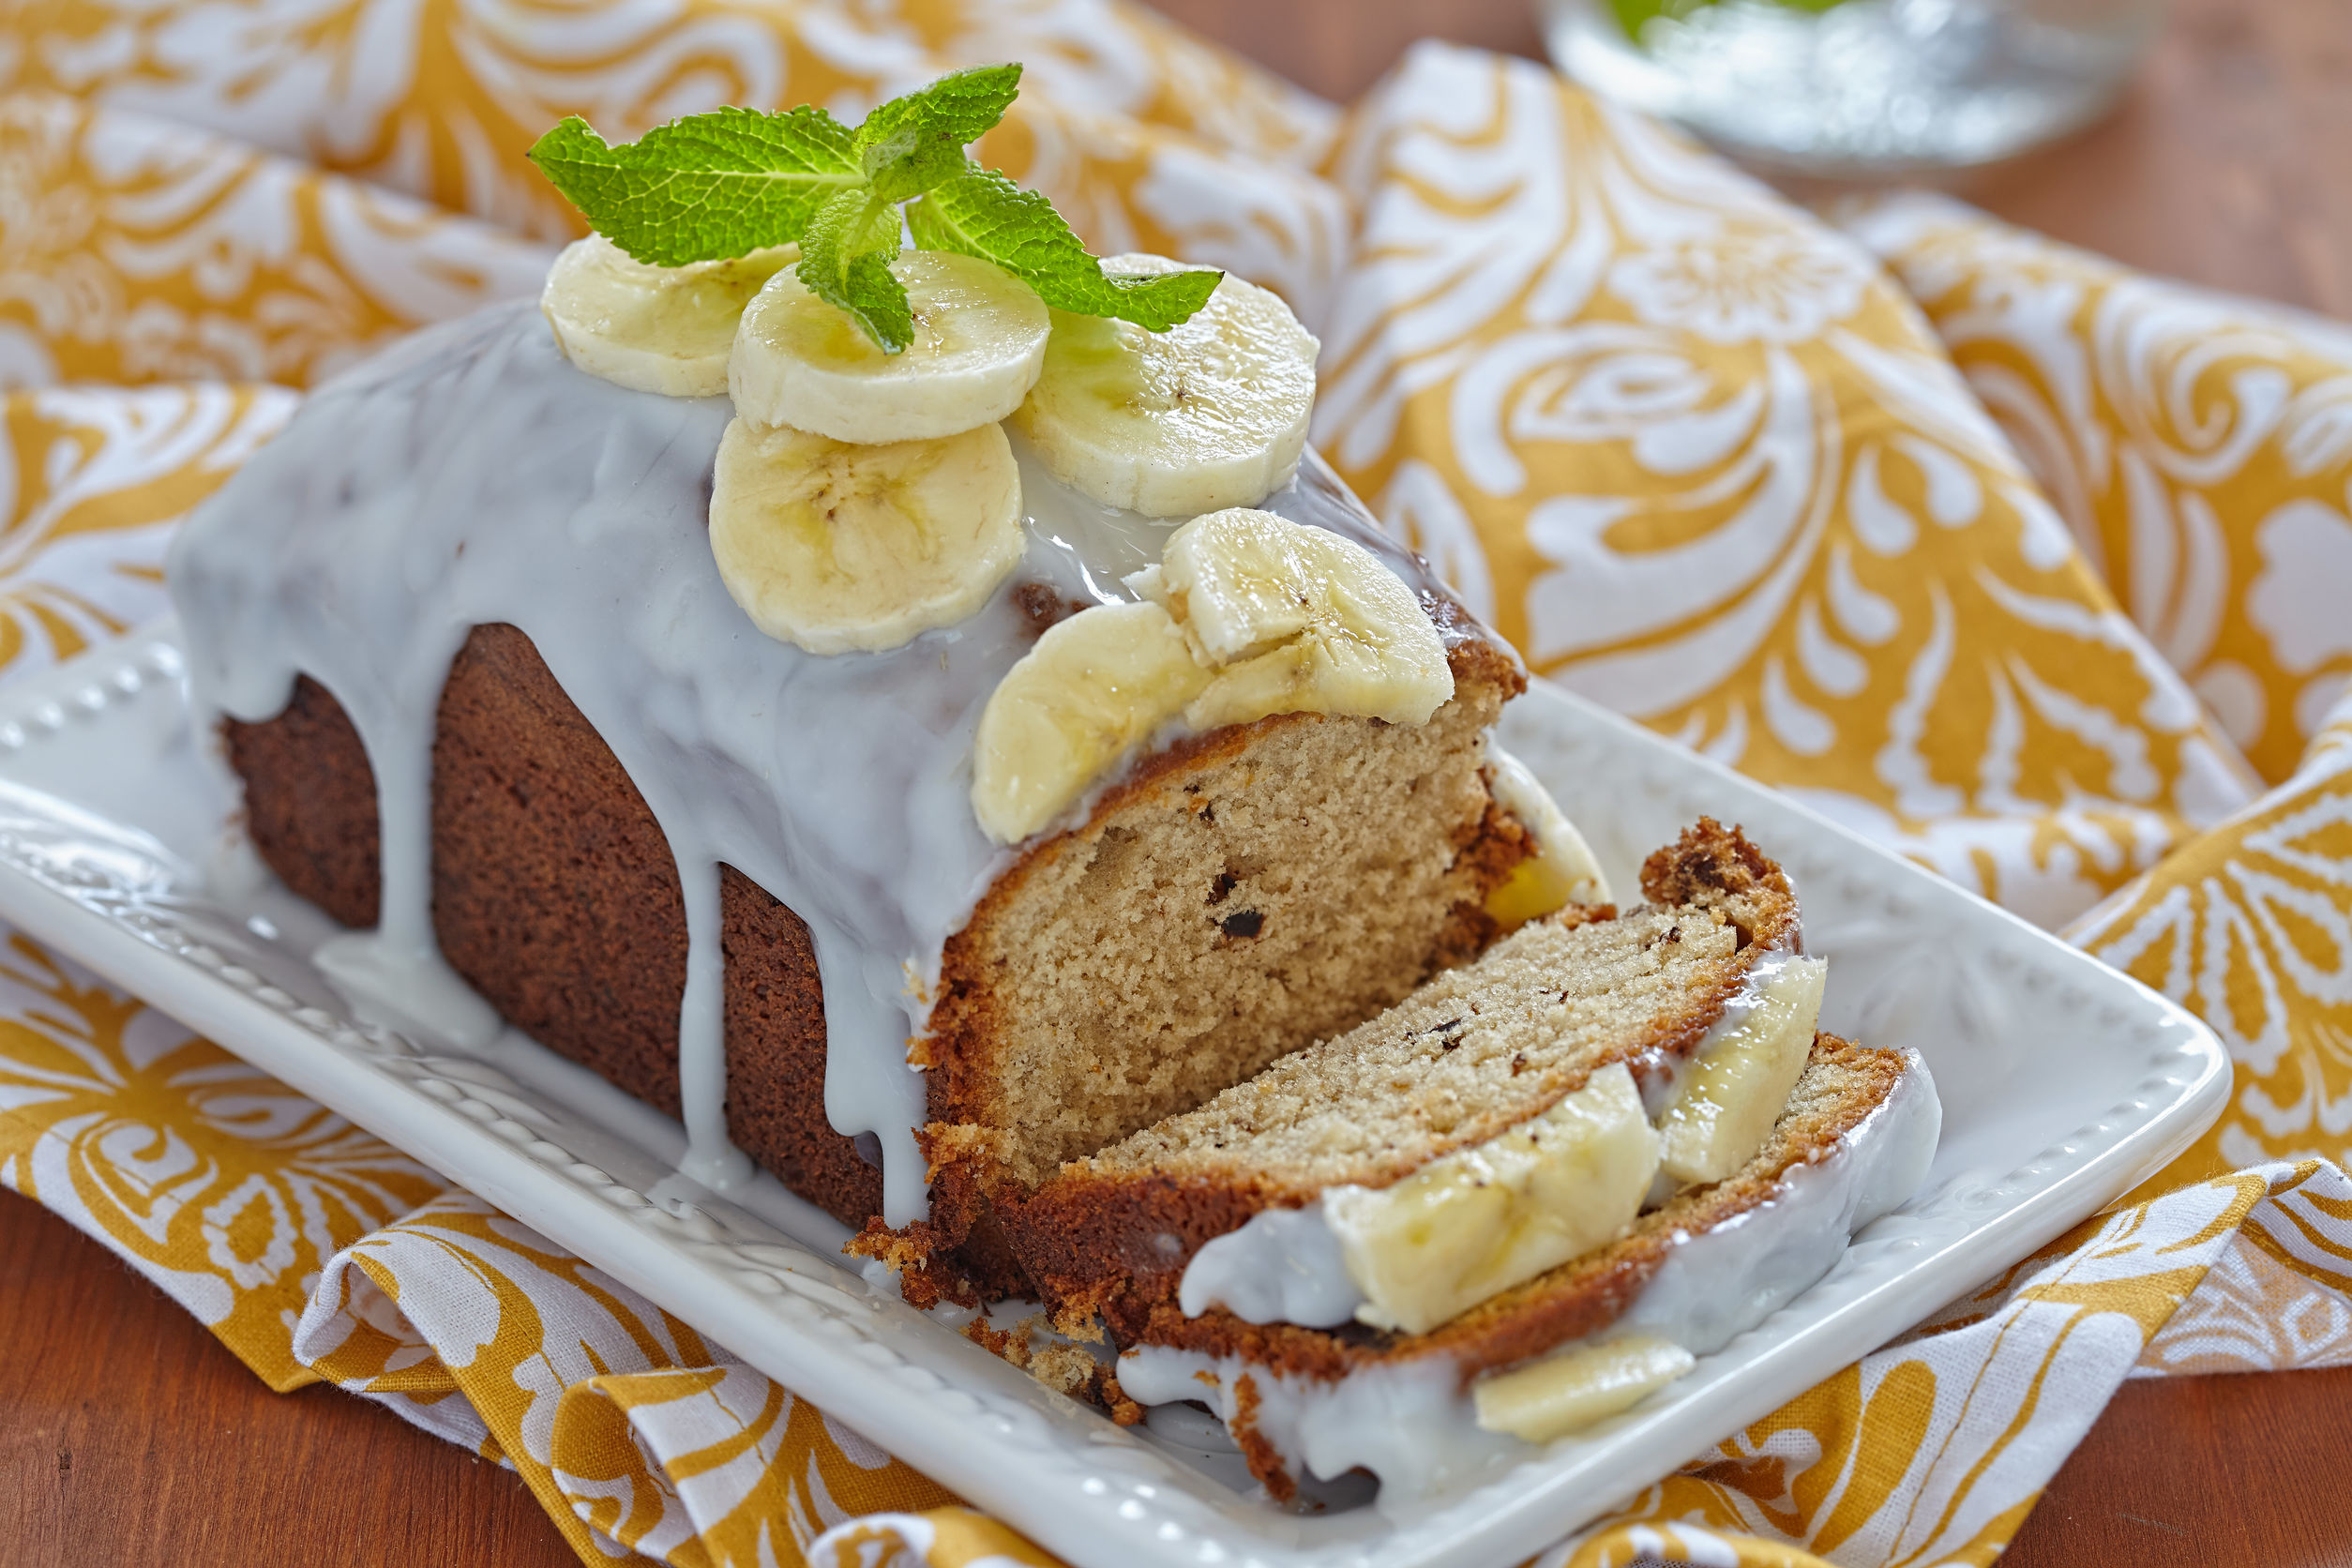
{"x": 592, "y": 759}
{"x": 557, "y": 896}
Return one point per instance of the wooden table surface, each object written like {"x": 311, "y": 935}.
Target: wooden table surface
{"x": 128, "y": 1437}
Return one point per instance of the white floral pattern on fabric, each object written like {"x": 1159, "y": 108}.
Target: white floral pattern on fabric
{"x": 1740, "y": 493}
{"x": 133, "y": 249}
{"x": 1739, "y": 286}
{"x": 2199, "y": 447}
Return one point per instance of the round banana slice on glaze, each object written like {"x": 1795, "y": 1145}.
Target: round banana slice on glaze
{"x": 838, "y": 548}
{"x": 979, "y": 342}
{"x": 1295, "y": 619}
{"x": 666, "y": 329}
{"x": 1093, "y": 685}
{"x": 1210, "y": 414}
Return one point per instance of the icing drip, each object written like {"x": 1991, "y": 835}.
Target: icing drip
{"x": 470, "y": 475}
{"x": 1281, "y": 1266}
{"x": 1718, "y": 1284}
{"x": 1409, "y": 1422}
{"x": 1412, "y": 1423}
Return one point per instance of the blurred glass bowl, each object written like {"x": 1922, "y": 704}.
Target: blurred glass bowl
{"x": 1858, "y": 88}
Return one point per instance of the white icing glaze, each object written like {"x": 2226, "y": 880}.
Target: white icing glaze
{"x": 1284, "y": 1266}
{"x": 470, "y": 475}
{"x": 1281, "y": 1266}
{"x": 1716, "y": 1285}
{"x": 1414, "y": 1425}
{"x": 1409, "y": 1424}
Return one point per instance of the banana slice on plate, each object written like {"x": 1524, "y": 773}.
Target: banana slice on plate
{"x": 1093, "y": 685}
{"x": 979, "y": 342}
{"x": 1295, "y": 620}
{"x": 838, "y": 548}
{"x": 1209, "y": 414}
{"x": 1571, "y": 1389}
{"x": 666, "y": 329}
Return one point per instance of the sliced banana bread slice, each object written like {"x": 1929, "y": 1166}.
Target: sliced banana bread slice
{"x": 1418, "y": 1410}
{"x": 1561, "y": 1032}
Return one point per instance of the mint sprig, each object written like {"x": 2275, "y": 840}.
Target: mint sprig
{"x": 845, "y": 255}
{"x": 723, "y": 184}
{"x": 911, "y": 144}
{"x": 983, "y": 214}
{"x": 705, "y": 188}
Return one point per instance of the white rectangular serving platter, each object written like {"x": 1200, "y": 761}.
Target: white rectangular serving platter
{"x": 2063, "y": 1084}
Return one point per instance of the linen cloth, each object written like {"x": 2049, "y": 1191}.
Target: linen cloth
{"x": 2029, "y": 566}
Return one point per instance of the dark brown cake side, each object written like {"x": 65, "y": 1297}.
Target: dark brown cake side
{"x": 555, "y": 895}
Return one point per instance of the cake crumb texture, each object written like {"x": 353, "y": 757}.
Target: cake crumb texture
{"x": 1242, "y": 895}
{"x": 1063, "y": 1368}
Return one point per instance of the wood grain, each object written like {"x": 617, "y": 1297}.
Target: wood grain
{"x": 128, "y": 1435}
{"x": 2203, "y": 1472}
{"x": 1339, "y": 49}
{"x": 2226, "y": 163}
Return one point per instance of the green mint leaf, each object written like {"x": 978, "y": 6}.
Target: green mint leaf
{"x": 911, "y": 144}
{"x": 845, "y": 255}
{"x": 704, "y": 188}
{"x": 983, "y": 214}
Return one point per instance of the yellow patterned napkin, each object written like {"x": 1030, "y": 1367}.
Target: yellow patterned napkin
{"x": 2001, "y": 554}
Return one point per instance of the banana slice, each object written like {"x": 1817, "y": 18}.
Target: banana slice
{"x": 1295, "y": 620}
{"x": 979, "y": 344}
{"x": 1247, "y": 614}
{"x": 665, "y": 329}
{"x": 1095, "y": 685}
{"x": 1481, "y": 1219}
{"x": 1732, "y": 1094}
{"x": 1570, "y": 1391}
{"x": 838, "y": 548}
{"x": 1561, "y": 872}
{"x": 1209, "y": 414}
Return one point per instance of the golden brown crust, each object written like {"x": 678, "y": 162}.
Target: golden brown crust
{"x": 1712, "y": 864}
{"x": 1117, "y": 1243}
{"x": 1578, "y": 1298}
{"x": 1263, "y": 1458}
